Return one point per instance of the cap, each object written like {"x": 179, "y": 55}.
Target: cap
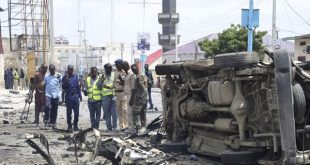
{"x": 70, "y": 66}
{"x": 119, "y": 61}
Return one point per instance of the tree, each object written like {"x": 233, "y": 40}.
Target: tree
{"x": 233, "y": 39}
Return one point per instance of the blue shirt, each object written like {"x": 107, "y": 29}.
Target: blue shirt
{"x": 52, "y": 85}
{"x": 70, "y": 85}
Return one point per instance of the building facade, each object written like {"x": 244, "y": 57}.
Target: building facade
{"x": 302, "y": 48}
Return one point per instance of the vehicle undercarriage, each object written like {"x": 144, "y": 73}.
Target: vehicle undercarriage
{"x": 239, "y": 109}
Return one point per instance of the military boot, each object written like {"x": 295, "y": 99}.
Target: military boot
{"x": 69, "y": 127}
{"x": 76, "y": 128}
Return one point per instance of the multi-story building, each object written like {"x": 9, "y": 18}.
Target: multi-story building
{"x": 84, "y": 57}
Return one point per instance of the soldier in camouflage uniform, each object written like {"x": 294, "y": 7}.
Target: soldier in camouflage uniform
{"x": 138, "y": 99}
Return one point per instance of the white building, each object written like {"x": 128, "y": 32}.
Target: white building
{"x": 302, "y": 48}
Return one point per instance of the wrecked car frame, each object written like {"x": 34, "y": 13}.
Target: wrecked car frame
{"x": 239, "y": 109}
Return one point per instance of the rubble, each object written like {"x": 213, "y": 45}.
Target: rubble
{"x": 45, "y": 155}
{"x": 14, "y": 92}
{"x": 32, "y": 136}
{"x": 5, "y": 100}
{"x": 5, "y": 133}
{"x": 5, "y": 121}
{"x": 4, "y": 107}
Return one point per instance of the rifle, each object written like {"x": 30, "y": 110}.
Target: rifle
{"x": 28, "y": 100}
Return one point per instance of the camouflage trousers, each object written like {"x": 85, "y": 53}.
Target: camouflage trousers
{"x": 139, "y": 116}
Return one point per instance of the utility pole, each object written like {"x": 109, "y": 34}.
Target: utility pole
{"x": 132, "y": 53}
{"x": 176, "y": 43}
{"x": 122, "y": 50}
{"x": 169, "y": 19}
{"x": 250, "y": 27}
{"x": 112, "y": 21}
{"x": 144, "y": 3}
{"x": 51, "y": 21}
{"x": 80, "y": 31}
{"x": 274, "y": 24}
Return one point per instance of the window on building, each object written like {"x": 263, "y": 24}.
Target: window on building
{"x": 67, "y": 51}
{"x": 59, "y": 51}
{"x": 73, "y": 51}
{"x": 302, "y": 58}
{"x": 302, "y": 43}
{"x": 308, "y": 50}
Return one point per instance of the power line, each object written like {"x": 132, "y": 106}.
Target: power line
{"x": 26, "y": 16}
{"x": 289, "y": 5}
{"x": 289, "y": 31}
{"x": 288, "y": 17}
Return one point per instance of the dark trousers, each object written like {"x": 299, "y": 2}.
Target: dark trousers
{"x": 51, "y": 109}
{"x": 39, "y": 101}
{"x": 109, "y": 110}
{"x": 94, "y": 113}
{"x": 149, "y": 92}
{"x": 72, "y": 103}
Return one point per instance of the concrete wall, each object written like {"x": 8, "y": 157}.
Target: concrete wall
{"x": 300, "y": 50}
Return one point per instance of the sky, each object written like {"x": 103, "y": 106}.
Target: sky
{"x": 198, "y": 18}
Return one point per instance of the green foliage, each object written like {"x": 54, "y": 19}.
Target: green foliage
{"x": 233, "y": 39}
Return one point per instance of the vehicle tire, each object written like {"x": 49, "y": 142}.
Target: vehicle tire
{"x": 168, "y": 69}
{"x": 248, "y": 156}
{"x": 238, "y": 59}
{"x": 299, "y": 103}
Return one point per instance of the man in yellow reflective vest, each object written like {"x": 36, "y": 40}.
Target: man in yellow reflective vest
{"x": 108, "y": 99}
{"x": 94, "y": 87}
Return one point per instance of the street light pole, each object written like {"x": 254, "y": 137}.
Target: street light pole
{"x": 176, "y": 43}
{"x": 250, "y": 27}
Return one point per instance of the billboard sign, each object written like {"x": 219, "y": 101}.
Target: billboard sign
{"x": 143, "y": 41}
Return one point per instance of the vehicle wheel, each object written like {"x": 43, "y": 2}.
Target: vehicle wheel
{"x": 235, "y": 59}
{"x": 168, "y": 69}
{"x": 248, "y": 156}
{"x": 299, "y": 103}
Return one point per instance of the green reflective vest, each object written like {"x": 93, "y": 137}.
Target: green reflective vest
{"x": 108, "y": 81}
{"x": 92, "y": 90}
{"x": 15, "y": 74}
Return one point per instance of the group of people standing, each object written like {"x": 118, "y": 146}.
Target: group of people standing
{"x": 122, "y": 95}
{"x": 14, "y": 79}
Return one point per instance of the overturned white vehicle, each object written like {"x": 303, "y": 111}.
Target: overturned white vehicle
{"x": 239, "y": 109}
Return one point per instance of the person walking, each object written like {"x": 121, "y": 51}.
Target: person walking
{"x": 108, "y": 99}
{"x": 94, "y": 87}
{"x": 52, "y": 94}
{"x": 121, "y": 103}
{"x": 16, "y": 79}
{"x": 39, "y": 87}
{"x": 11, "y": 78}
{"x": 71, "y": 97}
{"x": 138, "y": 98}
{"x": 6, "y": 80}
{"x": 128, "y": 89}
{"x": 150, "y": 82}
{"x": 22, "y": 79}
